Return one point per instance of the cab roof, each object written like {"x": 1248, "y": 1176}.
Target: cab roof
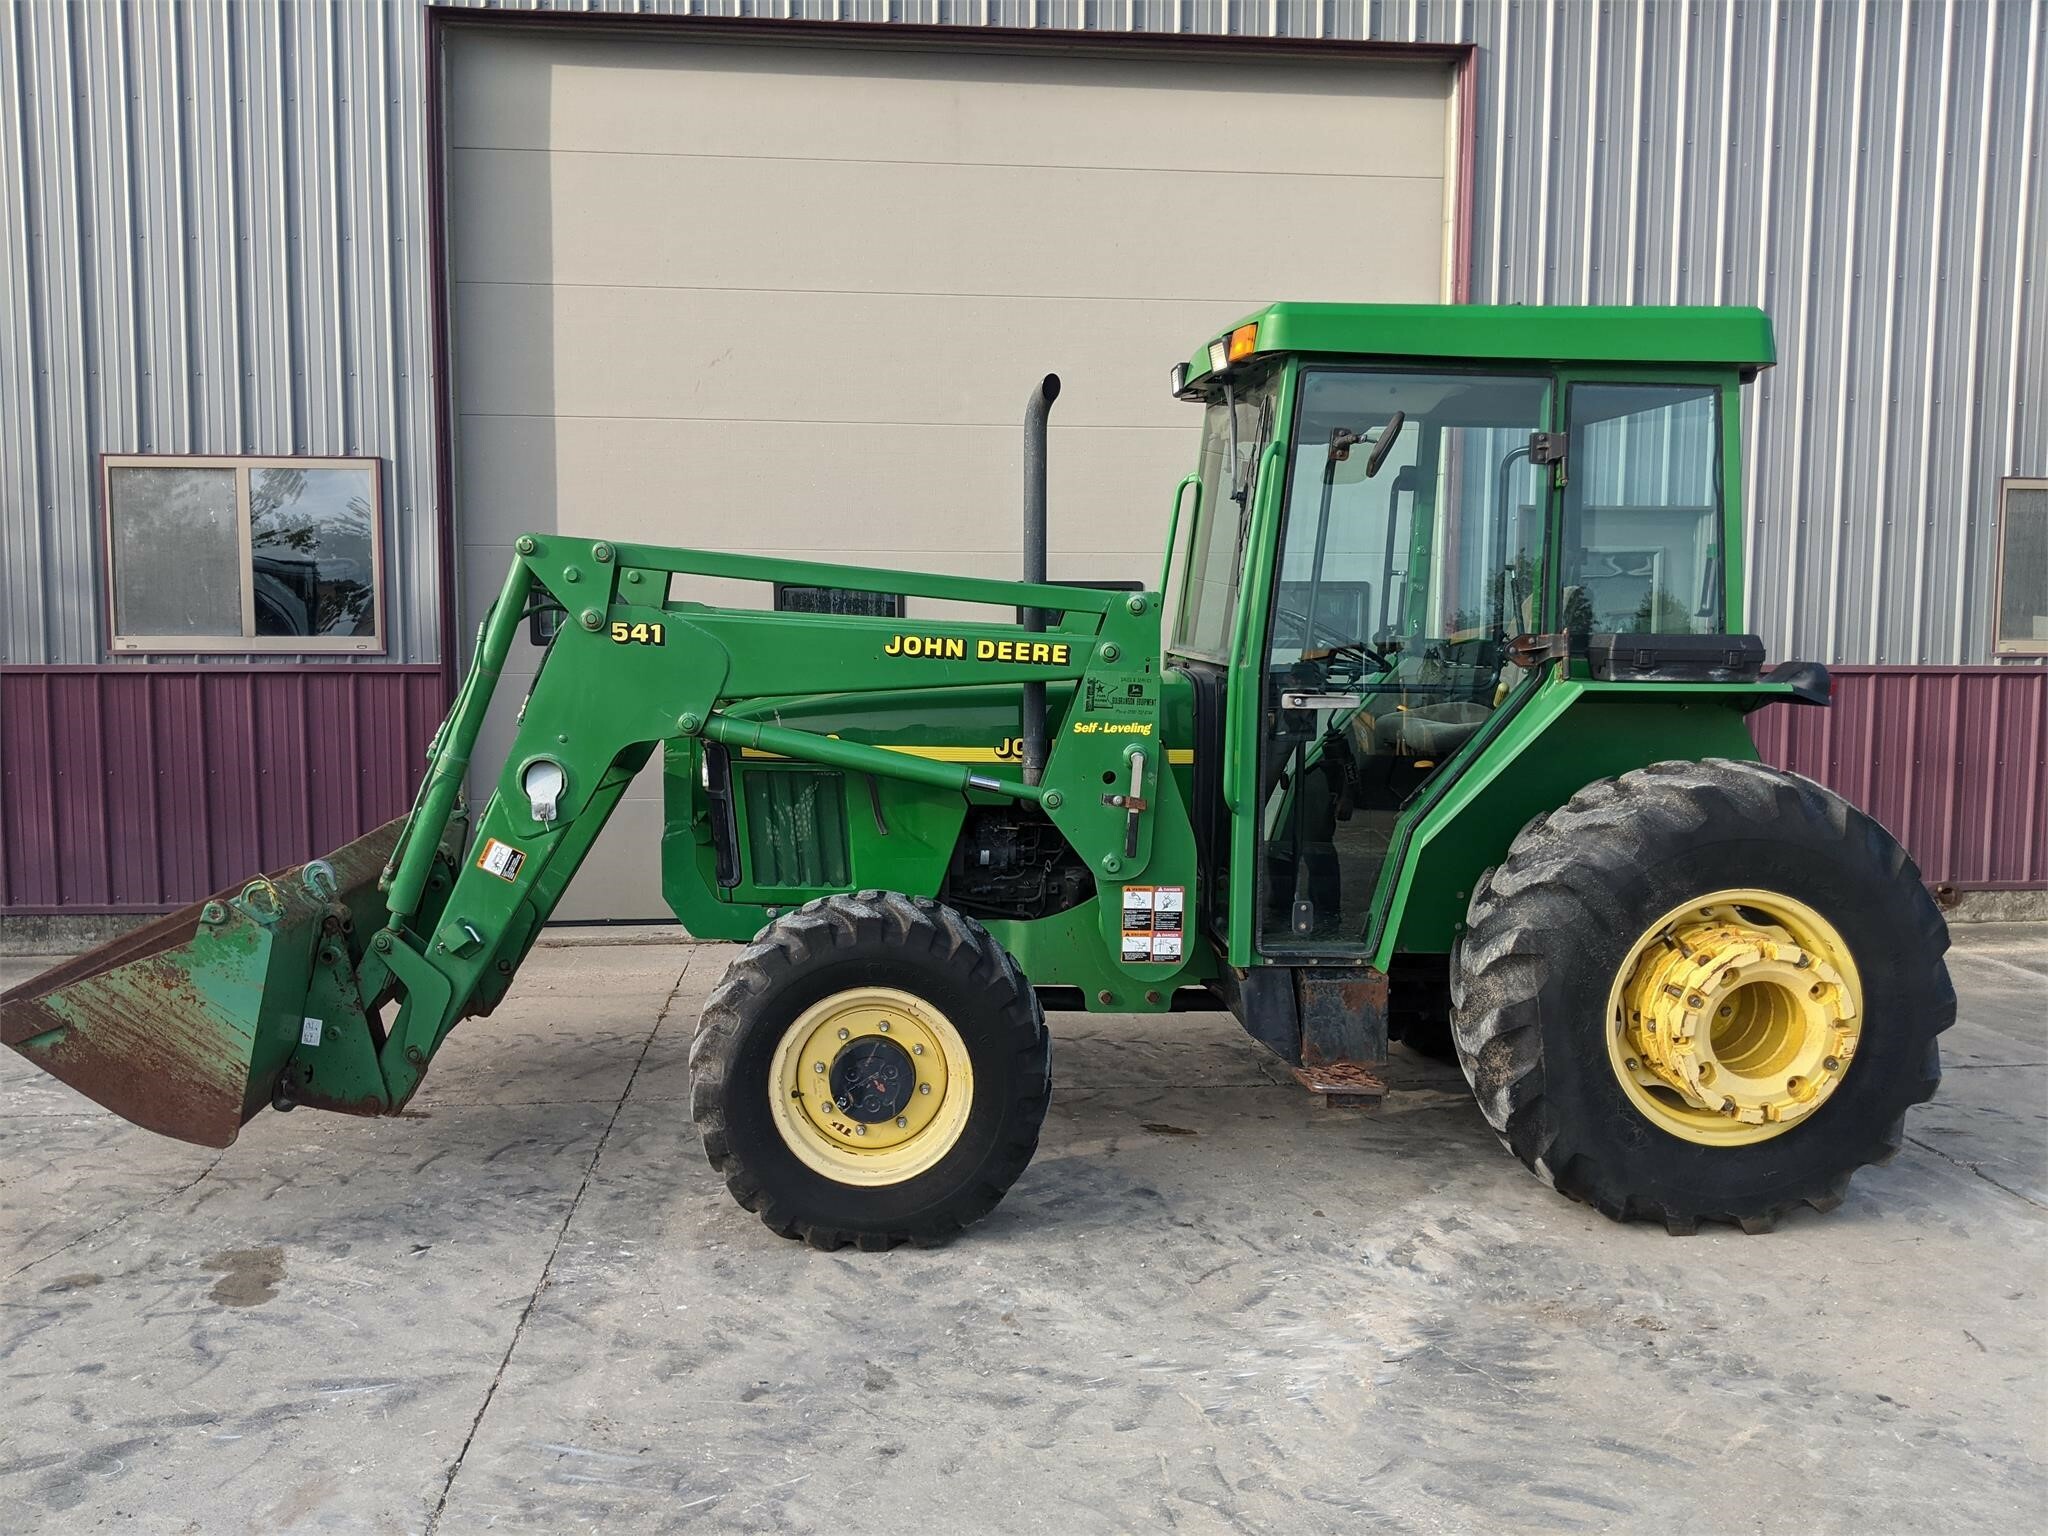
{"x": 1710, "y": 336}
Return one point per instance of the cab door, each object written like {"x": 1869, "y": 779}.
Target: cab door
{"x": 1407, "y": 551}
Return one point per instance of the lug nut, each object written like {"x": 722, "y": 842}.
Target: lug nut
{"x": 883, "y": 1026}
{"x": 1832, "y": 1064}
{"x": 902, "y": 1122}
{"x": 817, "y": 1066}
{"x": 917, "y": 1050}
{"x": 842, "y": 1034}
{"x": 924, "y": 1087}
{"x": 860, "y": 1130}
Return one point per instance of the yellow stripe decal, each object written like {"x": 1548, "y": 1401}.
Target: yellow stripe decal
{"x": 961, "y": 754}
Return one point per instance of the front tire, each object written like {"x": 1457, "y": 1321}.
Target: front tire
{"x": 873, "y": 1069}
{"x": 1702, "y": 992}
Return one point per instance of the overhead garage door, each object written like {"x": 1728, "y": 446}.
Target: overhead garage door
{"x": 790, "y": 299}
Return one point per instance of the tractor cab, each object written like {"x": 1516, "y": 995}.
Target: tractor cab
{"x": 1395, "y": 507}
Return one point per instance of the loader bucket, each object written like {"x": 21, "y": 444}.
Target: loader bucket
{"x": 184, "y": 1025}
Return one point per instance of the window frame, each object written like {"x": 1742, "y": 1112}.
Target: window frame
{"x": 2007, "y": 484}
{"x": 377, "y": 643}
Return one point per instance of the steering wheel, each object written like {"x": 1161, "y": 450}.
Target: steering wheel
{"x": 1340, "y": 645}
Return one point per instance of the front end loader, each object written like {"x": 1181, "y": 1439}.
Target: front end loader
{"x": 1433, "y": 730}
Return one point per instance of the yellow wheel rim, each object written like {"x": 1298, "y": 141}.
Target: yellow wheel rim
{"x": 871, "y": 1086}
{"x": 1734, "y": 1017}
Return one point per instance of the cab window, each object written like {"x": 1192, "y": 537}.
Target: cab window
{"x": 1643, "y": 530}
{"x": 1216, "y": 554}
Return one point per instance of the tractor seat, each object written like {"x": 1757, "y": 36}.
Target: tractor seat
{"x": 1428, "y": 730}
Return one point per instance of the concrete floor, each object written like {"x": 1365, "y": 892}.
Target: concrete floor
{"x": 1208, "y": 1306}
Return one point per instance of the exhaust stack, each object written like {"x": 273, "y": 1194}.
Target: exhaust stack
{"x": 1036, "y": 413}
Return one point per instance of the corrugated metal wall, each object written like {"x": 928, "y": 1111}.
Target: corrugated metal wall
{"x": 214, "y": 220}
{"x": 213, "y": 224}
{"x": 155, "y": 786}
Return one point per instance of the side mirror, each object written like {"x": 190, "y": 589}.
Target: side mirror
{"x": 1383, "y": 443}
{"x": 1341, "y": 468}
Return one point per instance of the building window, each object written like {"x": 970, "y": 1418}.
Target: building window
{"x": 878, "y": 605}
{"x": 244, "y": 554}
{"x": 2022, "y": 569}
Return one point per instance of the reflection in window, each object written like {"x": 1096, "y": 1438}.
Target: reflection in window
{"x": 243, "y": 554}
{"x": 1643, "y": 529}
{"x": 311, "y": 551}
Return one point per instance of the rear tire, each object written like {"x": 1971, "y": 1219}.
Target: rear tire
{"x": 1557, "y": 924}
{"x": 970, "y": 1101}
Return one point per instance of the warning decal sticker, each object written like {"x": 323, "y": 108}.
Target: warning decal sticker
{"x": 1153, "y": 920}
{"x": 500, "y": 859}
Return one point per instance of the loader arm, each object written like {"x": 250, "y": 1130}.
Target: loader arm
{"x": 632, "y": 669}
{"x": 333, "y": 984}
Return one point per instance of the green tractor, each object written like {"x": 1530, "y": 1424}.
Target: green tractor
{"x": 1435, "y": 730}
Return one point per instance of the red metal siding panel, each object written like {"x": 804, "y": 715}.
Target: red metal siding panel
{"x": 182, "y": 758}
{"x": 231, "y": 779}
{"x": 77, "y": 782}
{"x": 127, "y": 853}
{"x": 139, "y": 788}
{"x": 1953, "y": 760}
{"x": 28, "y": 821}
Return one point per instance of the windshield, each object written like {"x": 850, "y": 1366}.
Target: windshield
{"x": 1215, "y": 560}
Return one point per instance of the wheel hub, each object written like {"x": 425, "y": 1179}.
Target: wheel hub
{"x": 871, "y": 1086}
{"x": 1735, "y": 1018}
{"x": 872, "y": 1079}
